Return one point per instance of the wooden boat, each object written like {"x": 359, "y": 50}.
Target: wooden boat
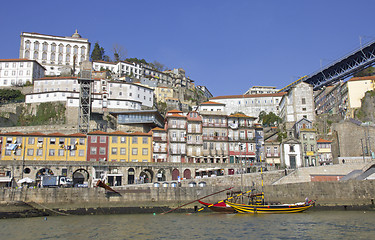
{"x": 263, "y": 208}
{"x": 218, "y": 207}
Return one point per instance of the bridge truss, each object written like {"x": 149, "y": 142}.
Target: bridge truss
{"x": 352, "y": 63}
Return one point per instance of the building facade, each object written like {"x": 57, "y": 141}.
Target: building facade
{"x": 18, "y": 72}
{"x": 55, "y": 52}
{"x": 250, "y": 105}
{"x": 298, "y": 103}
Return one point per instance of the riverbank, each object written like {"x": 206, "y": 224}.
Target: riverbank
{"x": 346, "y": 195}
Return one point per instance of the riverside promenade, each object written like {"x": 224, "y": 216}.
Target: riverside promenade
{"x": 148, "y": 198}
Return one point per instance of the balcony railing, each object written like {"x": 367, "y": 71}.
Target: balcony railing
{"x": 206, "y": 124}
{"x": 160, "y": 139}
{"x": 215, "y": 138}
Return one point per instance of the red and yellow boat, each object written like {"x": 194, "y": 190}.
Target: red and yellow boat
{"x": 279, "y": 208}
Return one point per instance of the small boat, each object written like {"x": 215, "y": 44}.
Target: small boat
{"x": 264, "y": 208}
{"x": 218, "y": 207}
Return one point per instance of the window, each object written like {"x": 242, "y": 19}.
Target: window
{"x": 30, "y": 152}
{"x": 81, "y": 141}
{"x": 61, "y": 152}
{"x": 31, "y": 141}
{"x": 123, "y": 139}
{"x": 72, "y": 153}
{"x": 93, "y": 150}
{"x": 303, "y": 100}
{"x": 81, "y": 153}
{"x": 134, "y": 151}
{"x": 291, "y": 148}
{"x": 39, "y": 152}
{"x": 145, "y": 140}
{"x": 122, "y": 151}
{"x": 102, "y": 151}
{"x": 268, "y": 150}
{"x": 102, "y": 139}
{"x": 144, "y": 151}
{"x": 312, "y": 148}
{"x": 51, "y": 152}
{"x": 114, "y": 151}
{"x": 135, "y": 140}
{"x": 52, "y": 141}
{"x": 114, "y": 139}
{"x": 94, "y": 139}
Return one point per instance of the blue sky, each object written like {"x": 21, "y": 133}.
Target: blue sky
{"x": 227, "y": 46}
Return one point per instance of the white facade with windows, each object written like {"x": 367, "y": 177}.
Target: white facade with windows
{"x": 17, "y": 72}
{"x": 250, "y": 105}
{"x": 298, "y": 103}
{"x": 106, "y": 94}
{"x": 55, "y": 52}
{"x": 121, "y": 68}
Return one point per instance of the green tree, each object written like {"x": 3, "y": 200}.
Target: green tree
{"x": 158, "y": 66}
{"x": 97, "y": 53}
{"x": 269, "y": 119}
{"x": 365, "y": 72}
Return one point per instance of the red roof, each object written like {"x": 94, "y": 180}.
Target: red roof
{"x": 212, "y": 103}
{"x": 97, "y": 133}
{"x": 56, "y": 134}
{"x": 321, "y": 140}
{"x": 362, "y": 78}
{"x": 174, "y": 111}
{"x": 77, "y": 135}
{"x": 158, "y": 129}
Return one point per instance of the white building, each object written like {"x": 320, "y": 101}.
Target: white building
{"x": 55, "y": 52}
{"x": 261, "y": 90}
{"x": 17, "y": 72}
{"x": 298, "y": 103}
{"x": 114, "y": 95}
{"x": 250, "y": 105}
{"x": 120, "y": 69}
{"x": 291, "y": 153}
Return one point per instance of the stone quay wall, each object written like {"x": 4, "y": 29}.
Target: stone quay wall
{"x": 143, "y": 199}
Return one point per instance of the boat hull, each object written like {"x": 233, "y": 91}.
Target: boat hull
{"x": 218, "y": 207}
{"x": 284, "y": 208}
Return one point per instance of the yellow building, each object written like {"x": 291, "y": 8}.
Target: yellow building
{"x": 41, "y": 147}
{"x": 129, "y": 147}
{"x": 357, "y": 88}
{"x": 161, "y": 93}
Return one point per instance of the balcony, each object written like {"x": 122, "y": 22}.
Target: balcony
{"x": 194, "y": 131}
{"x": 206, "y": 124}
{"x": 273, "y": 155}
{"x": 194, "y": 142}
{"x": 160, "y": 150}
{"x": 160, "y": 139}
{"x": 215, "y": 138}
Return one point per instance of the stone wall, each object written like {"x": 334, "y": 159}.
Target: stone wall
{"x": 347, "y": 138}
{"x": 351, "y": 193}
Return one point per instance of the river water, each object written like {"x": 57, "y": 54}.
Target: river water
{"x": 308, "y": 225}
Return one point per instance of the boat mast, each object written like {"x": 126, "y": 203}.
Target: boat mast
{"x": 261, "y": 174}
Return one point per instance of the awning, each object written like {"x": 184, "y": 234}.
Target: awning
{"x": 5, "y": 179}
{"x": 25, "y": 180}
{"x": 11, "y": 147}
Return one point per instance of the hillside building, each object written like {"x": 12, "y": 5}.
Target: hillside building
{"x": 250, "y": 105}
{"x": 55, "y": 52}
{"x": 18, "y": 72}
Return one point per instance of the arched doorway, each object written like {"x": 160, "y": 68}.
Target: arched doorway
{"x": 80, "y": 176}
{"x": 175, "y": 174}
{"x": 161, "y": 175}
{"x": 146, "y": 176}
{"x": 131, "y": 176}
{"x": 42, "y": 172}
{"x": 187, "y": 174}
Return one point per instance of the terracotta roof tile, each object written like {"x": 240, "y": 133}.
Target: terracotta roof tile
{"x": 212, "y": 103}
{"x": 321, "y": 140}
{"x": 77, "y": 135}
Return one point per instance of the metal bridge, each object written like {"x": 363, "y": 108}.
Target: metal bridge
{"x": 346, "y": 66}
